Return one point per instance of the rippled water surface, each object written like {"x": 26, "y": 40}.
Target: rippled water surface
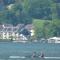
{"x": 8, "y": 49}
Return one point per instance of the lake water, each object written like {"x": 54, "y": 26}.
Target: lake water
{"x": 17, "y": 50}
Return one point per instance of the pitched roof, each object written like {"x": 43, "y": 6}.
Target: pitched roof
{"x": 29, "y": 27}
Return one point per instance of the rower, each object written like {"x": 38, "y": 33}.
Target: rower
{"x": 34, "y": 55}
{"x": 42, "y": 55}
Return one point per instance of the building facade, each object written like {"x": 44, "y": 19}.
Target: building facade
{"x": 8, "y": 31}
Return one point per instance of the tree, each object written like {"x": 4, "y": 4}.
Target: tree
{"x": 56, "y": 25}
{"x": 25, "y": 32}
{"x": 38, "y": 24}
{"x": 43, "y": 29}
{"x": 40, "y": 9}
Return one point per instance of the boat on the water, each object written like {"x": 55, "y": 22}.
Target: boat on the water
{"x": 20, "y": 41}
{"x": 23, "y": 57}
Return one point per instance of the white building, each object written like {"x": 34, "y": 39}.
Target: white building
{"x": 8, "y": 31}
{"x": 10, "y": 6}
{"x": 54, "y": 40}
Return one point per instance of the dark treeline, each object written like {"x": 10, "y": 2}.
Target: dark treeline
{"x": 22, "y": 11}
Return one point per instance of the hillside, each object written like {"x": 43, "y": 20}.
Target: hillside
{"x": 15, "y": 11}
{"x": 26, "y": 11}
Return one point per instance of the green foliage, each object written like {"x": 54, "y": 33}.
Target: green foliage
{"x": 44, "y": 12}
{"x": 24, "y": 10}
{"x": 40, "y": 9}
{"x": 43, "y": 28}
{"x": 56, "y": 25}
{"x": 26, "y": 5}
{"x": 39, "y": 26}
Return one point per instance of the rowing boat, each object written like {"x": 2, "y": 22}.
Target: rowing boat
{"x": 34, "y": 57}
